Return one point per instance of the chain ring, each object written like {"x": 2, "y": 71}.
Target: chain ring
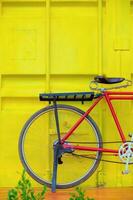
{"x": 126, "y": 152}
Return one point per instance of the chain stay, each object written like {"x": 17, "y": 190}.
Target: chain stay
{"x": 104, "y": 160}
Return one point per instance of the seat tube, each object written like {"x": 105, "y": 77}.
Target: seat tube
{"x": 115, "y": 117}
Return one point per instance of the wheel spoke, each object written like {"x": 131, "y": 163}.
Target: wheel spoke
{"x": 34, "y": 144}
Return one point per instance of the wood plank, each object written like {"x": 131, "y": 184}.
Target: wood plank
{"x": 97, "y": 194}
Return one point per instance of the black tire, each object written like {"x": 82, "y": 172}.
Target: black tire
{"x": 31, "y": 147}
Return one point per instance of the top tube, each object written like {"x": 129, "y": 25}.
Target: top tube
{"x": 95, "y": 84}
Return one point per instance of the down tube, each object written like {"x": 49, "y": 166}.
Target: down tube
{"x": 80, "y": 120}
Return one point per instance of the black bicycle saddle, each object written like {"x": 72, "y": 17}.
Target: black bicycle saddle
{"x": 108, "y": 80}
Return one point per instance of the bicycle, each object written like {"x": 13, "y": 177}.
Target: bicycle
{"x": 73, "y": 137}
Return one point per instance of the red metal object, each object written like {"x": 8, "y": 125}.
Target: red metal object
{"x": 80, "y": 120}
{"x": 109, "y": 96}
{"x": 77, "y": 147}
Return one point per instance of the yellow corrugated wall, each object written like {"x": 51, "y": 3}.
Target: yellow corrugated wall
{"x": 59, "y": 45}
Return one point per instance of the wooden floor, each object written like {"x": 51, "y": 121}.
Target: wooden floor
{"x": 97, "y": 194}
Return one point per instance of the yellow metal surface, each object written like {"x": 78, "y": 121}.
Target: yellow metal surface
{"x": 59, "y": 45}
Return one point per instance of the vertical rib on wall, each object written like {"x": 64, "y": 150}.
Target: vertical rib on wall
{"x": 59, "y": 45}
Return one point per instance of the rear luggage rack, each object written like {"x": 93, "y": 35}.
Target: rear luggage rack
{"x": 72, "y": 96}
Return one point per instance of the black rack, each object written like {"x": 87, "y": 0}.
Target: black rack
{"x": 71, "y": 96}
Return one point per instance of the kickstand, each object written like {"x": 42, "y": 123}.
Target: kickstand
{"x": 55, "y": 165}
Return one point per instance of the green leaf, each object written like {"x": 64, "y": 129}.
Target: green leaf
{"x": 44, "y": 190}
{"x": 24, "y": 190}
{"x": 79, "y": 195}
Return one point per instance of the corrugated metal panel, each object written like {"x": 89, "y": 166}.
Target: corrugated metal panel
{"x": 60, "y": 45}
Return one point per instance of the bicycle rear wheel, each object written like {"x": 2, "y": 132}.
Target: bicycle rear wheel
{"x": 36, "y": 146}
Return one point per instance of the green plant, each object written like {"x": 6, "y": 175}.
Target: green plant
{"x": 24, "y": 190}
{"x": 79, "y": 195}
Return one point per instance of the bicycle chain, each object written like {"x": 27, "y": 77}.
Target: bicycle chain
{"x": 104, "y": 160}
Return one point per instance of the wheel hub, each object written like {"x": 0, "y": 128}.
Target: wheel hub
{"x": 60, "y": 151}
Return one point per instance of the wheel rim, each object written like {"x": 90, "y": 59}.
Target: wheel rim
{"x": 75, "y": 169}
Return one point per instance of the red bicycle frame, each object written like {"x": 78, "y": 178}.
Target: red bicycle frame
{"x": 109, "y": 96}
